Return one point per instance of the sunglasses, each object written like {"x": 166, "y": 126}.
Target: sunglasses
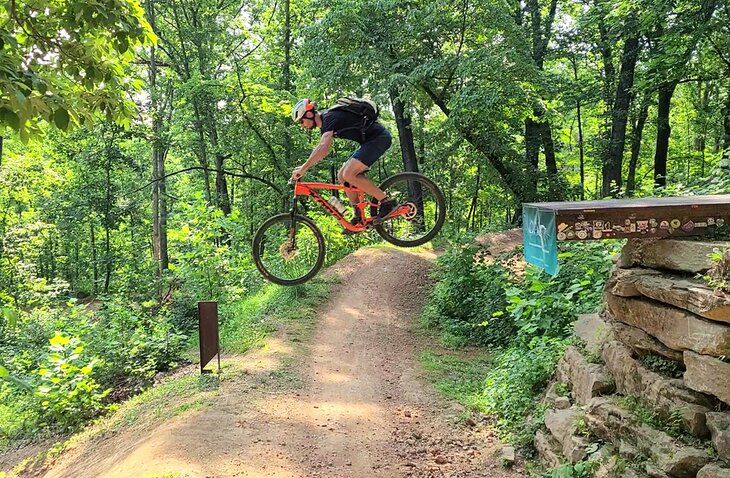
{"x": 306, "y": 115}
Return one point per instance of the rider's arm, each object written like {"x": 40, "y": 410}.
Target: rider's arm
{"x": 321, "y": 151}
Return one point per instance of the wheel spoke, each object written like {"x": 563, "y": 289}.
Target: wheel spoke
{"x": 288, "y": 254}
{"x": 427, "y": 203}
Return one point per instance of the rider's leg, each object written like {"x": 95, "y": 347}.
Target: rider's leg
{"x": 353, "y": 172}
{"x": 352, "y": 196}
{"x": 362, "y": 159}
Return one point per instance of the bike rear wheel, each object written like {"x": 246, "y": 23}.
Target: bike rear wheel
{"x": 288, "y": 252}
{"x": 426, "y": 215}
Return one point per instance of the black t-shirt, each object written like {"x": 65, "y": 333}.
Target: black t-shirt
{"x": 347, "y": 125}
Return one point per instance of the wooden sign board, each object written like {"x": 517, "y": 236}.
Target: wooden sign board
{"x": 632, "y": 218}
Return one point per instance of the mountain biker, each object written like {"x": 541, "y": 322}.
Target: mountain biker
{"x": 374, "y": 142}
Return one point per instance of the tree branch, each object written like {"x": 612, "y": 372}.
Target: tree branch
{"x": 200, "y": 168}
{"x": 439, "y": 101}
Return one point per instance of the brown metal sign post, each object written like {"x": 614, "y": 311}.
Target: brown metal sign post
{"x": 208, "y": 332}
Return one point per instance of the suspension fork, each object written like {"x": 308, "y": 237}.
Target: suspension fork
{"x": 293, "y": 224}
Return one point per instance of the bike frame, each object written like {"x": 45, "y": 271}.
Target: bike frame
{"x": 309, "y": 189}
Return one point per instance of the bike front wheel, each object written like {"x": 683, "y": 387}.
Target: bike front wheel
{"x": 288, "y": 252}
{"x": 426, "y": 210}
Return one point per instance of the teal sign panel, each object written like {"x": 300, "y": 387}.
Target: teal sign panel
{"x": 539, "y": 235}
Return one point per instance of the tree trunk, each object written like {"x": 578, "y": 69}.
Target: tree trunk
{"x": 609, "y": 80}
{"x": 407, "y": 147}
{"x": 667, "y": 87}
{"x": 159, "y": 187}
{"x": 512, "y": 179}
{"x": 537, "y": 131}
{"x": 405, "y": 132}
{"x": 637, "y": 131}
{"x": 666, "y": 91}
{"x": 609, "y": 72}
{"x": 532, "y": 156}
{"x": 471, "y": 216}
{"x": 94, "y": 262}
{"x": 108, "y": 262}
{"x": 286, "y": 73}
{"x": 726, "y": 122}
{"x": 581, "y": 146}
{"x": 221, "y": 185}
{"x": 555, "y": 192}
{"x": 613, "y": 166}
{"x": 202, "y": 150}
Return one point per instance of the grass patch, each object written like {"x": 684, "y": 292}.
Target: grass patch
{"x": 671, "y": 425}
{"x": 169, "y": 399}
{"x": 457, "y": 379}
{"x": 246, "y": 323}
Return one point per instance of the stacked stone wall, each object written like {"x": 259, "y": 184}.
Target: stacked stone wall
{"x": 648, "y": 379}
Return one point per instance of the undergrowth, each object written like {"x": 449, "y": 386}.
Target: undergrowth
{"x": 66, "y": 393}
{"x": 517, "y": 313}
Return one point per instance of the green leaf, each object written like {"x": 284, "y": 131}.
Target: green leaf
{"x": 61, "y": 118}
{"x": 59, "y": 339}
{"x": 10, "y": 315}
{"x": 5, "y": 375}
{"x": 123, "y": 45}
{"x": 10, "y": 118}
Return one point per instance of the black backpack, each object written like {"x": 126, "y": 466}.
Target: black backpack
{"x": 366, "y": 109}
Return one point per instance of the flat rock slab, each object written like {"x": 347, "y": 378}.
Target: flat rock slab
{"x": 714, "y": 470}
{"x": 642, "y": 343}
{"x": 548, "y": 449}
{"x": 586, "y": 380}
{"x": 663, "y": 395}
{"x": 719, "y": 425}
{"x": 563, "y": 426}
{"x": 671, "y": 254}
{"x": 693, "y": 295}
{"x": 622, "y": 282}
{"x": 615, "y": 424}
{"x": 707, "y": 374}
{"x": 675, "y": 328}
{"x": 594, "y": 331}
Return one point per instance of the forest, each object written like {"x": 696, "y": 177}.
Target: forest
{"x": 143, "y": 143}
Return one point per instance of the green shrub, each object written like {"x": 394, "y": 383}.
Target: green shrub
{"x": 545, "y": 305}
{"x": 134, "y": 342}
{"x": 467, "y": 302}
{"x": 68, "y": 393}
{"x": 513, "y": 385}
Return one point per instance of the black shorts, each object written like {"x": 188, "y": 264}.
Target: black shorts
{"x": 370, "y": 151}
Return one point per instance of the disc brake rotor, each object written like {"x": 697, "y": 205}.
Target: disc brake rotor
{"x": 288, "y": 250}
{"x": 412, "y": 211}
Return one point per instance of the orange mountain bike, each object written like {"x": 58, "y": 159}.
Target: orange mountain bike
{"x": 289, "y": 248}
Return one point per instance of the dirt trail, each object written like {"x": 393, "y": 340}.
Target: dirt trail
{"x": 363, "y": 408}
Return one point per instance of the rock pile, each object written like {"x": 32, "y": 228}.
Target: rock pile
{"x": 649, "y": 381}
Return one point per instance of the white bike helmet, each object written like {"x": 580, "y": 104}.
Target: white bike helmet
{"x": 301, "y": 108}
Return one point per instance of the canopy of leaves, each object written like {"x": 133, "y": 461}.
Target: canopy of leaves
{"x": 64, "y": 61}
